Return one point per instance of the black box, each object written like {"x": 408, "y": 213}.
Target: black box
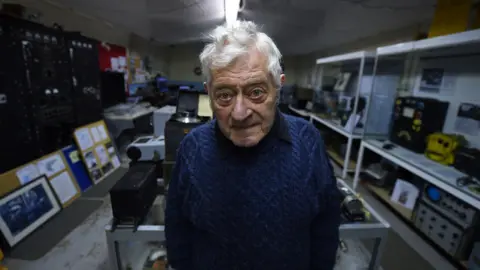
{"x": 133, "y": 195}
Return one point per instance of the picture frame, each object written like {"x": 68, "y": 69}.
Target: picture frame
{"x": 342, "y": 81}
{"x": 27, "y": 208}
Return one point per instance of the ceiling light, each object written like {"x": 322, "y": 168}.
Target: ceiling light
{"x": 231, "y": 11}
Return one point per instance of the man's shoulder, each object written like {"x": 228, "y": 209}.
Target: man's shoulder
{"x": 200, "y": 135}
{"x": 301, "y": 129}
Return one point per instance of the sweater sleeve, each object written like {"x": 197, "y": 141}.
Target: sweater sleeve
{"x": 178, "y": 228}
{"x": 325, "y": 227}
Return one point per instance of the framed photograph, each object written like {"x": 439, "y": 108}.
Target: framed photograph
{"x": 27, "y": 208}
{"x": 342, "y": 81}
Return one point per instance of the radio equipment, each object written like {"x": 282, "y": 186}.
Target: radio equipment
{"x": 447, "y": 221}
{"x": 85, "y": 74}
{"x": 133, "y": 195}
{"x": 414, "y": 119}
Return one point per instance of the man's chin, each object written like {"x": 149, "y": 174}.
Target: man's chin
{"x": 246, "y": 141}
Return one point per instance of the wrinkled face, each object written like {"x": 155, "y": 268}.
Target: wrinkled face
{"x": 243, "y": 98}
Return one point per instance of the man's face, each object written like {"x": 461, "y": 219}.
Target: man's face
{"x": 243, "y": 99}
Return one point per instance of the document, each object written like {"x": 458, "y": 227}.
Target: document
{"x": 51, "y": 165}
{"x": 115, "y": 162}
{"x": 102, "y": 154}
{"x": 95, "y": 134}
{"x": 27, "y": 174}
{"x": 64, "y": 187}
{"x": 84, "y": 139}
{"x": 103, "y": 132}
{"x": 405, "y": 194}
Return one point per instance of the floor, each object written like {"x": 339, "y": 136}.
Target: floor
{"x": 85, "y": 248}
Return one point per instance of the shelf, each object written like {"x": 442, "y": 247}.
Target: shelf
{"x": 385, "y": 197}
{"x": 340, "y": 160}
{"x": 299, "y": 111}
{"x": 453, "y": 40}
{"x": 441, "y": 176}
{"x": 345, "y": 57}
{"x": 336, "y": 127}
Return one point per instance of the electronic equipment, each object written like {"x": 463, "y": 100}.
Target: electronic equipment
{"x": 133, "y": 195}
{"x": 160, "y": 118}
{"x": 450, "y": 206}
{"x": 467, "y": 160}
{"x": 302, "y": 95}
{"x": 85, "y": 75}
{"x": 144, "y": 148}
{"x": 351, "y": 205}
{"x": 448, "y": 221}
{"x": 112, "y": 88}
{"x": 448, "y": 235}
{"x": 382, "y": 174}
{"x": 414, "y": 119}
{"x": 441, "y": 147}
{"x": 175, "y": 130}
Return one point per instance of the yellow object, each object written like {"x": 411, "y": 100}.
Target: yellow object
{"x": 441, "y": 147}
{"x": 453, "y": 16}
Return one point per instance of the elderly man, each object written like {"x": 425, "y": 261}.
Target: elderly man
{"x": 252, "y": 189}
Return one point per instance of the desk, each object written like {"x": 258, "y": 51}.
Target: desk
{"x": 376, "y": 228}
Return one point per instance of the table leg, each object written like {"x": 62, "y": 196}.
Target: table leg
{"x": 113, "y": 258}
{"x": 377, "y": 253}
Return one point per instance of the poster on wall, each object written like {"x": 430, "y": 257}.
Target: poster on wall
{"x": 97, "y": 151}
{"x": 468, "y": 119}
{"x": 437, "y": 81}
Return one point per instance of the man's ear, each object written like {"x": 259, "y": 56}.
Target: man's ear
{"x": 282, "y": 79}
{"x": 205, "y": 86}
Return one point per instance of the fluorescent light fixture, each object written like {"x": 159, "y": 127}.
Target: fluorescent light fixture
{"x": 231, "y": 11}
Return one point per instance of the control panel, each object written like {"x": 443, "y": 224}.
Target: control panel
{"x": 458, "y": 211}
{"x": 450, "y": 237}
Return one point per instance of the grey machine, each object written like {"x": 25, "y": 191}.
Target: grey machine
{"x": 146, "y": 147}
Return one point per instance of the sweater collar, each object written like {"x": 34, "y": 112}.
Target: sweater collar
{"x": 279, "y": 130}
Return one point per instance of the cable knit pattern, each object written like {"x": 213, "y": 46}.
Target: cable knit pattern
{"x": 274, "y": 206}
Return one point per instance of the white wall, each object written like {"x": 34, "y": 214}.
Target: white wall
{"x": 460, "y": 84}
{"x": 182, "y": 59}
{"x": 158, "y": 54}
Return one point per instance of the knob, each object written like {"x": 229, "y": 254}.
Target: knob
{"x": 462, "y": 215}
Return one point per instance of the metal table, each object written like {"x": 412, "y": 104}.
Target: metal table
{"x": 376, "y": 228}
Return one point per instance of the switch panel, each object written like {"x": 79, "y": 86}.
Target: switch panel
{"x": 453, "y": 208}
{"x": 446, "y": 234}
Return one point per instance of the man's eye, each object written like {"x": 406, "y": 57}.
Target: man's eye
{"x": 224, "y": 96}
{"x": 256, "y": 93}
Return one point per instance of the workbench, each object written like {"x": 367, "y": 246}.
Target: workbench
{"x": 375, "y": 228}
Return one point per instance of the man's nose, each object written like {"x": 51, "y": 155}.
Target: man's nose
{"x": 240, "y": 110}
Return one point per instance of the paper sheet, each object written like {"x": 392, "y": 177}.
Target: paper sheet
{"x": 405, "y": 194}
{"x": 74, "y": 158}
{"x": 51, "y": 165}
{"x": 114, "y": 63}
{"x": 83, "y": 138}
{"x": 204, "y": 108}
{"x": 122, "y": 61}
{"x": 102, "y": 154}
{"x": 64, "y": 187}
{"x": 115, "y": 162}
{"x": 95, "y": 134}
{"x": 102, "y": 132}
{"x": 27, "y": 174}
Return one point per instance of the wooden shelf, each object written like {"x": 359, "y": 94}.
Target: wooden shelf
{"x": 340, "y": 160}
{"x": 384, "y": 195}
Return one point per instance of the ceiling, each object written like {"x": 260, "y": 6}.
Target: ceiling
{"x": 298, "y": 26}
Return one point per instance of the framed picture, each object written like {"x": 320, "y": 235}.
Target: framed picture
{"x": 342, "y": 82}
{"x": 27, "y": 208}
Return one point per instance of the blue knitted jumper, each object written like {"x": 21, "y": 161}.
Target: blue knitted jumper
{"x": 273, "y": 206}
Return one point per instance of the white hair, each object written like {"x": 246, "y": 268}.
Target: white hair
{"x": 229, "y": 42}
